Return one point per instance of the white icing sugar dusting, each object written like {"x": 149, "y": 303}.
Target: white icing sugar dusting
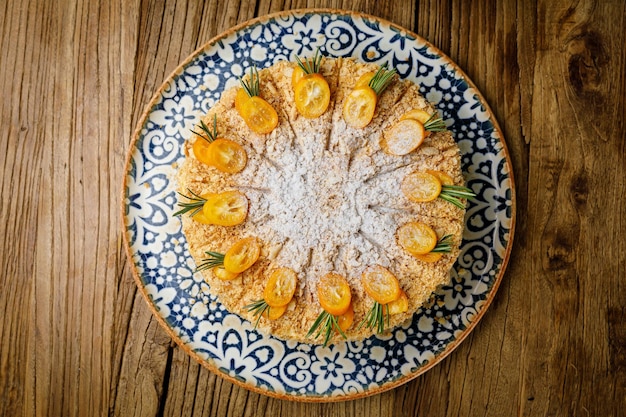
{"x": 324, "y": 197}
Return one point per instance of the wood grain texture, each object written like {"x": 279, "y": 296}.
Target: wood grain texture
{"x": 78, "y": 339}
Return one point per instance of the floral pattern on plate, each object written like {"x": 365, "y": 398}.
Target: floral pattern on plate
{"x": 226, "y": 343}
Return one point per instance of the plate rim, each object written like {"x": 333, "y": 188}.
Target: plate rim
{"x": 208, "y": 363}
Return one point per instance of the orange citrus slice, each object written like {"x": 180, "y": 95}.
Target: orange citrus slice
{"x": 430, "y": 257}
{"x": 200, "y": 150}
{"x": 420, "y": 115}
{"x": 421, "y": 187}
{"x": 241, "y": 98}
{"x": 364, "y": 80}
{"x": 334, "y": 294}
{"x": 227, "y": 156}
{"x": 296, "y": 76}
{"x": 345, "y": 320}
{"x": 280, "y": 287}
{"x": 228, "y": 208}
{"x": 416, "y": 238}
{"x": 399, "y": 305}
{"x": 312, "y": 95}
{"x": 403, "y": 137}
{"x": 242, "y": 255}
{"x": 259, "y": 115}
{"x": 359, "y": 106}
{"x": 380, "y": 284}
{"x": 222, "y": 274}
{"x": 443, "y": 178}
{"x": 274, "y": 313}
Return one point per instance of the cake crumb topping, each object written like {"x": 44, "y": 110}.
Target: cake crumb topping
{"x": 324, "y": 197}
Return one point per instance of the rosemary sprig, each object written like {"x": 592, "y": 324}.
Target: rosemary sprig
{"x": 257, "y": 308}
{"x": 213, "y": 259}
{"x": 194, "y": 204}
{"x": 311, "y": 65}
{"x": 452, "y": 194}
{"x": 324, "y": 324}
{"x": 207, "y": 134}
{"x": 375, "y": 317}
{"x": 444, "y": 245}
{"x": 381, "y": 79}
{"x": 435, "y": 123}
{"x": 252, "y": 85}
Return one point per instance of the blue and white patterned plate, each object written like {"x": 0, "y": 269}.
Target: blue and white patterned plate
{"x": 225, "y": 343}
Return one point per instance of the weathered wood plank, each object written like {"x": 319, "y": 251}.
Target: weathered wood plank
{"x": 576, "y": 117}
{"x": 70, "y": 129}
{"x": 17, "y": 214}
{"x": 77, "y": 337}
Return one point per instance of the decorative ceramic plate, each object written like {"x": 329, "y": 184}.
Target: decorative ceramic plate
{"x": 225, "y": 343}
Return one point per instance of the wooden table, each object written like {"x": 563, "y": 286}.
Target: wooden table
{"x": 77, "y": 339}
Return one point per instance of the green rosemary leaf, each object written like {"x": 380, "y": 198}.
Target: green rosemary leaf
{"x": 382, "y": 79}
{"x": 382, "y": 315}
{"x": 366, "y": 319}
{"x": 194, "y": 205}
{"x": 435, "y": 124}
{"x": 325, "y": 324}
{"x": 458, "y": 191}
{"x": 207, "y": 134}
{"x": 444, "y": 245}
{"x": 452, "y": 194}
{"x": 311, "y": 65}
{"x": 257, "y": 308}
{"x": 317, "y": 323}
{"x": 387, "y": 313}
{"x": 452, "y": 200}
{"x": 252, "y": 84}
{"x": 328, "y": 328}
{"x": 336, "y": 325}
{"x": 375, "y": 317}
{"x": 213, "y": 259}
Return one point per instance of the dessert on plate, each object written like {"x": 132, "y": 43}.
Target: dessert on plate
{"x": 323, "y": 199}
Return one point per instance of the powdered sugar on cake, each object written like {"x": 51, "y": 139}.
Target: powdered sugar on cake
{"x": 323, "y": 197}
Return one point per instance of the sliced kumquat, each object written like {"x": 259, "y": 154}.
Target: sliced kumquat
{"x": 443, "y": 178}
{"x": 359, "y": 107}
{"x": 242, "y": 255}
{"x": 280, "y": 287}
{"x": 200, "y": 150}
{"x": 333, "y": 292}
{"x": 240, "y": 99}
{"x": 212, "y": 260}
{"x": 421, "y": 187}
{"x": 274, "y": 313}
{"x": 380, "y": 284}
{"x": 416, "y": 238}
{"x": 223, "y": 154}
{"x": 201, "y": 218}
{"x": 199, "y": 215}
{"x": 222, "y": 274}
{"x": 346, "y": 319}
{"x": 228, "y": 208}
{"x": 430, "y": 257}
{"x": 312, "y": 95}
{"x": 420, "y": 115}
{"x": 364, "y": 80}
{"x": 399, "y": 305}
{"x": 403, "y": 137}
{"x": 194, "y": 203}
{"x": 259, "y": 115}
{"x": 296, "y": 76}
{"x": 227, "y": 156}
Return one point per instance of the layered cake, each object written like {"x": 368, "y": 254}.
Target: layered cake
{"x": 322, "y": 200}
